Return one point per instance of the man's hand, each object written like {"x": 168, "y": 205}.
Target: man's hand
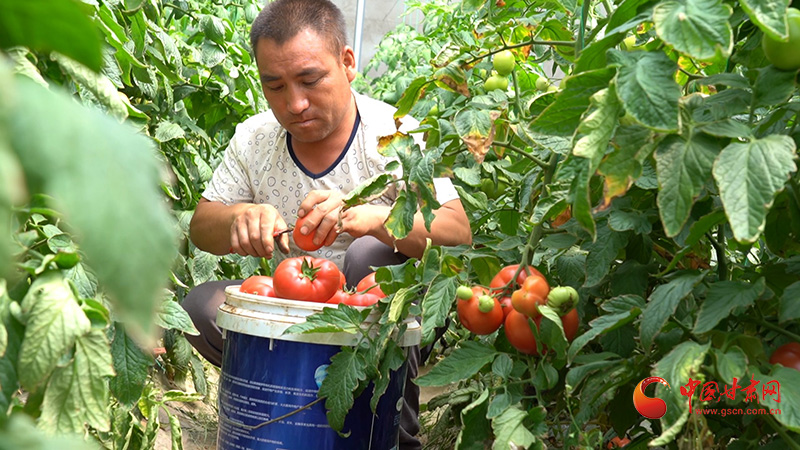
{"x": 243, "y": 228}
{"x": 321, "y": 212}
{"x": 252, "y": 229}
{"x": 365, "y": 220}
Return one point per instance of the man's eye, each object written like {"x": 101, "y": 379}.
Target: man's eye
{"x": 312, "y": 83}
{"x": 274, "y": 88}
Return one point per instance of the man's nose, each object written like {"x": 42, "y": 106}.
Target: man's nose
{"x": 296, "y": 101}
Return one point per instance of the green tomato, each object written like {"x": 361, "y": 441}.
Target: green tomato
{"x": 542, "y": 83}
{"x": 552, "y": 88}
{"x": 503, "y": 62}
{"x": 464, "y": 292}
{"x": 495, "y": 82}
{"x": 629, "y": 43}
{"x": 785, "y": 55}
{"x": 488, "y": 187}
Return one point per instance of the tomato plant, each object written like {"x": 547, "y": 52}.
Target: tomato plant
{"x": 258, "y": 285}
{"x": 306, "y": 278}
{"x": 304, "y": 241}
{"x": 787, "y": 355}
{"x": 481, "y": 313}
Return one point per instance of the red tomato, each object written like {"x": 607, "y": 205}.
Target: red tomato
{"x": 304, "y": 241}
{"x": 501, "y": 280}
{"x": 258, "y": 285}
{"x": 505, "y": 303}
{"x": 570, "y": 321}
{"x": 481, "y": 314}
{"x": 787, "y": 355}
{"x": 616, "y": 442}
{"x": 369, "y": 285}
{"x": 519, "y": 333}
{"x": 521, "y": 336}
{"x": 339, "y": 297}
{"x": 357, "y": 299}
{"x": 530, "y": 295}
{"x": 306, "y": 278}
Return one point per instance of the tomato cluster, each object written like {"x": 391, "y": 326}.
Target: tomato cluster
{"x": 514, "y": 303}
{"x": 313, "y": 280}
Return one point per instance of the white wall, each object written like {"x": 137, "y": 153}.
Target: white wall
{"x": 380, "y": 17}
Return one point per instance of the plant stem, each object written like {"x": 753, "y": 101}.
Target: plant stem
{"x": 521, "y": 44}
{"x": 582, "y": 30}
{"x": 783, "y": 434}
{"x": 780, "y": 330}
{"x": 722, "y": 263}
{"x": 517, "y": 103}
{"x": 536, "y": 160}
{"x": 277, "y": 419}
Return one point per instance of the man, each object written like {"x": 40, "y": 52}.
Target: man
{"x": 317, "y": 143}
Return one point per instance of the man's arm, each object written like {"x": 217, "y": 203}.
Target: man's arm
{"x": 243, "y": 228}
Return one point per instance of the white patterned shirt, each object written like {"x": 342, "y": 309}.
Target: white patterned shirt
{"x": 259, "y": 166}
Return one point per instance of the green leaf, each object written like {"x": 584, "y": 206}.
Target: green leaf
{"x": 769, "y": 15}
{"x": 81, "y": 157}
{"x": 789, "y": 381}
{"x": 562, "y": 117}
{"x": 98, "y": 84}
{"x": 19, "y": 432}
{"x": 398, "y": 309}
{"x": 602, "y": 253}
{"x": 411, "y": 96}
{"x": 436, "y": 305}
{"x": 599, "y": 326}
{"x": 331, "y": 320}
{"x": 368, "y": 190}
{"x": 51, "y": 25}
{"x": 344, "y": 374}
{"x": 509, "y": 427}
{"x": 476, "y": 128}
{"x": 203, "y": 266}
{"x": 464, "y": 362}
{"x": 175, "y": 432}
{"x": 475, "y": 432}
{"x": 790, "y": 302}
{"x": 78, "y": 393}
{"x": 171, "y": 316}
{"x": 54, "y": 322}
{"x": 401, "y": 217}
{"x": 167, "y": 131}
{"x": 392, "y": 361}
{"x": 676, "y": 367}
{"x": 698, "y": 28}
{"x": 647, "y": 88}
{"x": 596, "y": 129}
{"x": 773, "y": 86}
{"x": 722, "y": 298}
{"x": 131, "y": 366}
{"x": 662, "y": 303}
{"x": 683, "y": 168}
{"x": 749, "y": 175}
{"x": 732, "y": 363}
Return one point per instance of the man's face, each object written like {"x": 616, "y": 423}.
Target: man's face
{"x": 306, "y": 85}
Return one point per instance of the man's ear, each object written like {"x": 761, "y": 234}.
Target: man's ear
{"x": 349, "y": 62}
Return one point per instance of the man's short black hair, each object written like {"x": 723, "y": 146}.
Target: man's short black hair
{"x": 281, "y": 20}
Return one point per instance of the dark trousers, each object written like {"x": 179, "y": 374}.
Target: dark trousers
{"x": 203, "y": 301}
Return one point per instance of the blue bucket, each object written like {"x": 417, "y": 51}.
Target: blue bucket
{"x": 267, "y": 375}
